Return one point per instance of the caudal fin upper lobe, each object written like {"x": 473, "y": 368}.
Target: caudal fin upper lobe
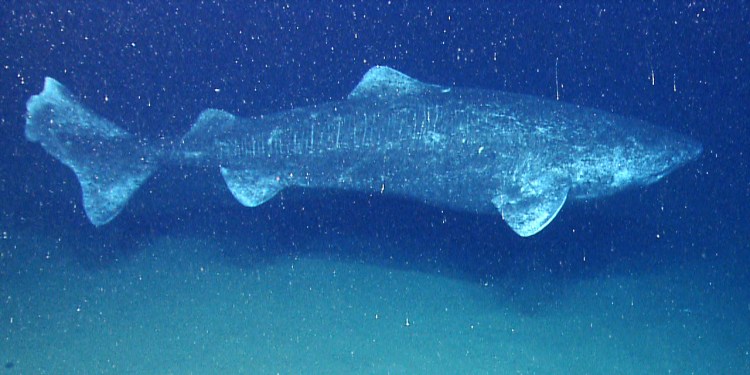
{"x": 109, "y": 162}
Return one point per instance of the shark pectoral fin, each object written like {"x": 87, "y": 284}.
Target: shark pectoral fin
{"x": 532, "y": 208}
{"x": 250, "y": 187}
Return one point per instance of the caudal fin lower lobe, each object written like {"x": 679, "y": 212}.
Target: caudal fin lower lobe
{"x": 109, "y": 162}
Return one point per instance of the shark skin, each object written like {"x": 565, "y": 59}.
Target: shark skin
{"x": 472, "y": 150}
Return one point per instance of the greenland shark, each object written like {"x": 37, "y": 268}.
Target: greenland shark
{"x": 466, "y": 149}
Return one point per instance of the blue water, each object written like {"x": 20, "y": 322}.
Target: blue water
{"x": 666, "y": 265}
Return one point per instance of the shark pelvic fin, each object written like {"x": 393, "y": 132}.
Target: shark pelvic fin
{"x": 251, "y": 188}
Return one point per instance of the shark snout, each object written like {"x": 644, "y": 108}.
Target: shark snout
{"x": 689, "y": 150}
{"x": 670, "y": 152}
{"x": 695, "y": 150}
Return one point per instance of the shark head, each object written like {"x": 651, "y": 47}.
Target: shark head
{"x": 619, "y": 154}
{"x": 661, "y": 153}
{"x": 640, "y": 156}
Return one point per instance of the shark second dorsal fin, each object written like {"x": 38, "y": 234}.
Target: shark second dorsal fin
{"x": 382, "y": 82}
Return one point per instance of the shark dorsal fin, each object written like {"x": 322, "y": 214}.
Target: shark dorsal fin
{"x": 382, "y": 81}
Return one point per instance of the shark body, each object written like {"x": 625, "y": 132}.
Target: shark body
{"x": 467, "y": 149}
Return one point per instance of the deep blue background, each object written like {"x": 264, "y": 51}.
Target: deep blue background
{"x": 153, "y": 66}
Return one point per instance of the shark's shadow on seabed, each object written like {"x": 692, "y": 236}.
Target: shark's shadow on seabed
{"x": 373, "y": 229}
{"x": 380, "y": 230}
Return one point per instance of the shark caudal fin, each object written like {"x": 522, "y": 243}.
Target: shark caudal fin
{"x": 109, "y": 162}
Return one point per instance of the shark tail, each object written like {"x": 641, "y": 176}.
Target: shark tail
{"x": 110, "y": 163}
